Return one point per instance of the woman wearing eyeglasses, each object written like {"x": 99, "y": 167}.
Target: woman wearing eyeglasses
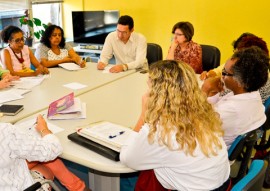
{"x": 183, "y": 48}
{"x": 17, "y": 57}
{"x": 241, "y": 110}
{"x": 244, "y": 41}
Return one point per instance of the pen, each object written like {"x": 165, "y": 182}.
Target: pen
{"x": 35, "y": 123}
{"x": 113, "y": 136}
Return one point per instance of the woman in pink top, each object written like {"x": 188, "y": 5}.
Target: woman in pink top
{"x": 183, "y": 48}
{"x": 17, "y": 57}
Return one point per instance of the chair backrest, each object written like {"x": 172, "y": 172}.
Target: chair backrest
{"x": 267, "y": 103}
{"x": 253, "y": 180}
{"x": 210, "y": 57}
{"x": 266, "y": 125}
{"x": 241, "y": 150}
{"x": 154, "y": 53}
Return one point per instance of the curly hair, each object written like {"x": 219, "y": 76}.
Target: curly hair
{"x": 8, "y": 31}
{"x": 45, "y": 39}
{"x": 186, "y": 28}
{"x": 177, "y": 106}
{"x": 239, "y": 39}
{"x": 249, "y": 41}
{"x": 251, "y": 68}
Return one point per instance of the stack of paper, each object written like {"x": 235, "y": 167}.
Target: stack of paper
{"x": 28, "y": 82}
{"x": 70, "y": 66}
{"x": 108, "y": 134}
{"x": 67, "y": 107}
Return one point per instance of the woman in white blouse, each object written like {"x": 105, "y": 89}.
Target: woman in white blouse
{"x": 16, "y": 147}
{"x": 179, "y": 134}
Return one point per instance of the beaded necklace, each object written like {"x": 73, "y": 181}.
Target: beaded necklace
{"x": 21, "y": 60}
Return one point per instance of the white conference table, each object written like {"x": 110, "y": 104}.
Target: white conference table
{"x": 52, "y": 88}
{"x": 118, "y": 102}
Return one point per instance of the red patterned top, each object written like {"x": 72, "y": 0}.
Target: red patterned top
{"x": 192, "y": 55}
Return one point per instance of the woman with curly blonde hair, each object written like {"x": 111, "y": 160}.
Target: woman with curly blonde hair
{"x": 181, "y": 138}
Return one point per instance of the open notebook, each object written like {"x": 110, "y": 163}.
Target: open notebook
{"x": 108, "y": 134}
{"x": 104, "y": 138}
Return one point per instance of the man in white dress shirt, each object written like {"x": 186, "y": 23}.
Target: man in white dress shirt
{"x": 128, "y": 47}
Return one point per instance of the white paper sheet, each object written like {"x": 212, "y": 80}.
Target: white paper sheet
{"x": 28, "y": 82}
{"x": 70, "y": 66}
{"x": 9, "y": 95}
{"x": 29, "y": 127}
{"x": 75, "y": 86}
{"x": 107, "y": 69}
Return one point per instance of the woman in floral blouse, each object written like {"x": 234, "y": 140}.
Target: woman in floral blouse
{"x": 183, "y": 48}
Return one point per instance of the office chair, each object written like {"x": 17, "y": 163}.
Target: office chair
{"x": 264, "y": 144}
{"x": 210, "y": 57}
{"x": 253, "y": 180}
{"x": 241, "y": 151}
{"x": 154, "y": 53}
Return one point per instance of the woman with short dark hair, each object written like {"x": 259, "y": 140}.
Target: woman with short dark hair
{"x": 183, "y": 48}
{"x": 241, "y": 110}
{"x": 17, "y": 57}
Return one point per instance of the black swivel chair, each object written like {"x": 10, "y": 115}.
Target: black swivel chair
{"x": 241, "y": 151}
{"x": 154, "y": 53}
{"x": 210, "y": 57}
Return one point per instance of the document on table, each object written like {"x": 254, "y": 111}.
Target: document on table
{"x": 29, "y": 127}
{"x": 70, "y": 66}
{"x": 9, "y": 95}
{"x": 75, "y": 86}
{"x": 108, "y": 134}
{"x": 28, "y": 82}
{"x": 107, "y": 69}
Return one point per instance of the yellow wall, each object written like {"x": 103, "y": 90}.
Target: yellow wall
{"x": 216, "y": 23}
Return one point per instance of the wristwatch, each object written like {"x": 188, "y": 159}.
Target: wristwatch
{"x": 125, "y": 68}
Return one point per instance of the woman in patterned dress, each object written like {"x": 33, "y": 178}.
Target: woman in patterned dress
{"x": 53, "y": 49}
{"x": 183, "y": 48}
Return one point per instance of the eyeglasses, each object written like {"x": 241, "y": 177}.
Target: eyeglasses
{"x": 18, "y": 40}
{"x": 178, "y": 34}
{"x": 225, "y": 73}
{"x": 122, "y": 32}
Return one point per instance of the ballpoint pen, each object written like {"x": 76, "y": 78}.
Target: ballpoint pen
{"x": 113, "y": 136}
{"x": 35, "y": 123}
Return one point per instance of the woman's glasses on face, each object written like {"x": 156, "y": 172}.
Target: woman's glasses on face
{"x": 225, "y": 73}
{"x": 178, "y": 34}
{"x": 18, "y": 40}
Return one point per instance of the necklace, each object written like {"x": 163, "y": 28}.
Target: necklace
{"x": 21, "y": 60}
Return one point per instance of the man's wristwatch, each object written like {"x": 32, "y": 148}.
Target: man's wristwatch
{"x": 125, "y": 68}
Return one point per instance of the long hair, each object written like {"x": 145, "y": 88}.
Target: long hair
{"x": 177, "y": 106}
